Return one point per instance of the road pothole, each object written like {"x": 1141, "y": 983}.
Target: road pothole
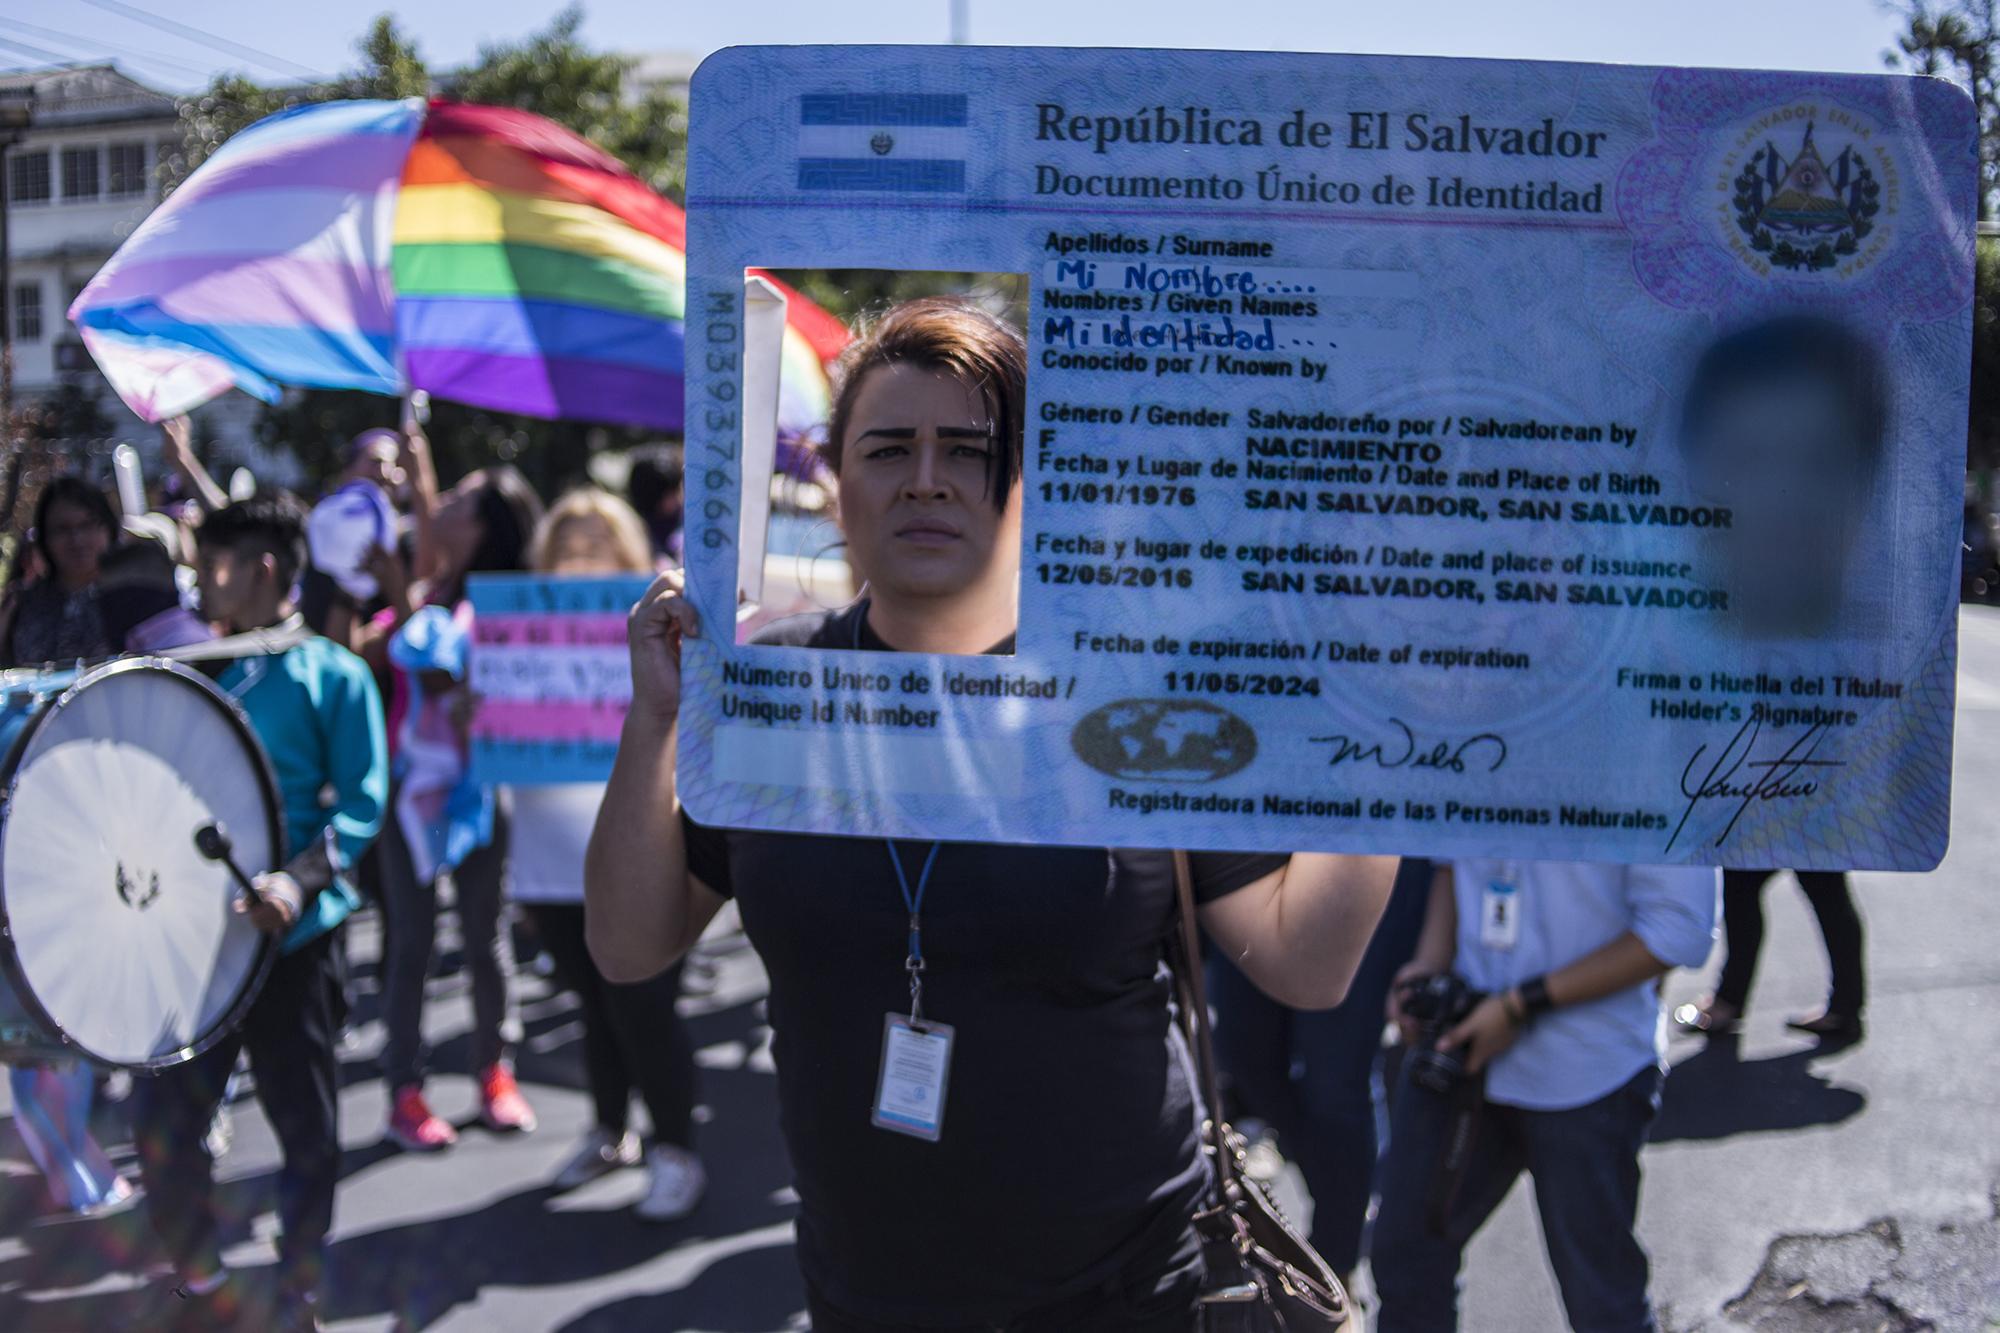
{"x": 1887, "y": 1277}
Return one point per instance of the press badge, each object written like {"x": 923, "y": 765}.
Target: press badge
{"x": 909, "y": 1094}
{"x": 1500, "y": 915}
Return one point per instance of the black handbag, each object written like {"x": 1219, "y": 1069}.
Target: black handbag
{"x": 1262, "y": 1275}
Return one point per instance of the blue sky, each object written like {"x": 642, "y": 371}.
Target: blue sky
{"x": 1786, "y": 34}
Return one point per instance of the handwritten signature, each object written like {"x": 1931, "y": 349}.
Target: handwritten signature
{"x": 1444, "y": 756}
{"x": 1785, "y": 778}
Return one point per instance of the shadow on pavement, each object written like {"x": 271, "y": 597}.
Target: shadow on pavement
{"x": 420, "y": 1271}
{"x": 751, "y": 1291}
{"x": 1716, "y": 1094}
{"x": 61, "y": 1253}
{"x": 67, "y": 1253}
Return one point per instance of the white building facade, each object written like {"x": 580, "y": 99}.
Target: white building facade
{"x": 84, "y": 175}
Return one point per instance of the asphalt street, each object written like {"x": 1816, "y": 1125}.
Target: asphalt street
{"x": 1786, "y": 1188}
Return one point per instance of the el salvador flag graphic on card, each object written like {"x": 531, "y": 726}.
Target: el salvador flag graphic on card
{"x": 883, "y": 141}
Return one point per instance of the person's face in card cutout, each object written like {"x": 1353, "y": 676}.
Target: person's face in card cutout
{"x": 915, "y": 488}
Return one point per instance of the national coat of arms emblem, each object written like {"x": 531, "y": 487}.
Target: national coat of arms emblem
{"x": 1803, "y": 213}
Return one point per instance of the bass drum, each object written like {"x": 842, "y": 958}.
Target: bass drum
{"x": 118, "y": 939}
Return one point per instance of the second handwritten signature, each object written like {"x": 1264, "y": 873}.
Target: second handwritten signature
{"x": 1406, "y": 751}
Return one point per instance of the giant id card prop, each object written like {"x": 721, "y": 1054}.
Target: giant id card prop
{"x": 1422, "y": 455}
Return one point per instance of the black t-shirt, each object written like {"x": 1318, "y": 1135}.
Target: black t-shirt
{"x": 1070, "y": 1150}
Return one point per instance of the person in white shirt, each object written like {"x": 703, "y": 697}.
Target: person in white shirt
{"x": 1563, "y": 1057}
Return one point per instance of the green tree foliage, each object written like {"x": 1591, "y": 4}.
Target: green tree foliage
{"x": 551, "y": 73}
{"x": 857, "y": 293}
{"x": 1983, "y": 439}
{"x": 74, "y": 411}
{"x": 1960, "y": 40}
{"x": 316, "y": 425}
{"x": 390, "y": 66}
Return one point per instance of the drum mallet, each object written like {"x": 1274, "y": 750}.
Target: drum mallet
{"x": 213, "y": 842}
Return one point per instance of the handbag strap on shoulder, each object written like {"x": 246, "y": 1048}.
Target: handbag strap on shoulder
{"x": 1194, "y": 1005}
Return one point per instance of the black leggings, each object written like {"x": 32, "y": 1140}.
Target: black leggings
{"x": 631, "y": 1033}
{"x": 409, "y": 920}
{"x": 290, "y": 1033}
{"x": 1839, "y": 927}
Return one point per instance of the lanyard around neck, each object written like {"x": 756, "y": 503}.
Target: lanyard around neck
{"x": 914, "y": 901}
{"x": 913, "y": 962}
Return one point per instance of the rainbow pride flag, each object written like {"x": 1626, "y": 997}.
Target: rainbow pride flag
{"x": 482, "y": 254}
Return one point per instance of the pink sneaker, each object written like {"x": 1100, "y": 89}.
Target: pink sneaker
{"x": 502, "y": 1106}
{"x": 414, "y": 1128}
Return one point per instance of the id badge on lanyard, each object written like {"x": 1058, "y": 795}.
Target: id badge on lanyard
{"x": 909, "y": 1092}
{"x": 1500, "y": 914}
{"x": 916, "y": 1052}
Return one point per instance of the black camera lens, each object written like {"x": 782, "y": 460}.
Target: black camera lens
{"x": 1437, "y": 1004}
{"x": 1436, "y": 1071}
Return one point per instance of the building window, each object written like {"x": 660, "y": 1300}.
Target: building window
{"x": 81, "y": 179}
{"x": 28, "y": 177}
{"x": 127, "y": 168}
{"x": 27, "y": 312}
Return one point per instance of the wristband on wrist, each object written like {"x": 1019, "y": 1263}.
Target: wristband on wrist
{"x": 283, "y": 889}
{"x": 1535, "y": 996}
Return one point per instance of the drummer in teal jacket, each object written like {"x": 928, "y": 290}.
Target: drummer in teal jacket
{"x": 315, "y": 707}
{"x": 317, "y": 711}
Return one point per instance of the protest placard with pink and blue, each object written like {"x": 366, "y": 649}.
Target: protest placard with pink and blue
{"x": 549, "y": 666}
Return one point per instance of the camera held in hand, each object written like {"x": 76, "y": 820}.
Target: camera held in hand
{"x": 1438, "y": 1004}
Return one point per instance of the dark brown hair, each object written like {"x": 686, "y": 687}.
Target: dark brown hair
{"x": 79, "y": 494}
{"x": 943, "y": 333}
{"x": 508, "y": 511}
{"x": 271, "y": 522}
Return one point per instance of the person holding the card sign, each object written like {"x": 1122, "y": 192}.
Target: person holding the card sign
{"x": 990, "y": 1114}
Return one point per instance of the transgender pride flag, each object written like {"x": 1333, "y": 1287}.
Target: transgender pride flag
{"x": 482, "y": 254}
{"x": 269, "y": 266}
{"x": 903, "y": 142}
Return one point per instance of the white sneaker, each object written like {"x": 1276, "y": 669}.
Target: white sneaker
{"x": 678, "y": 1180}
{"x": 221, "y": 1133}
{"x": 597, "y": 1155}
{"x": 115, "y": 1200}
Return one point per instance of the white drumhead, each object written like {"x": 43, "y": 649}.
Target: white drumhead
{"x": 123, "y": 931}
